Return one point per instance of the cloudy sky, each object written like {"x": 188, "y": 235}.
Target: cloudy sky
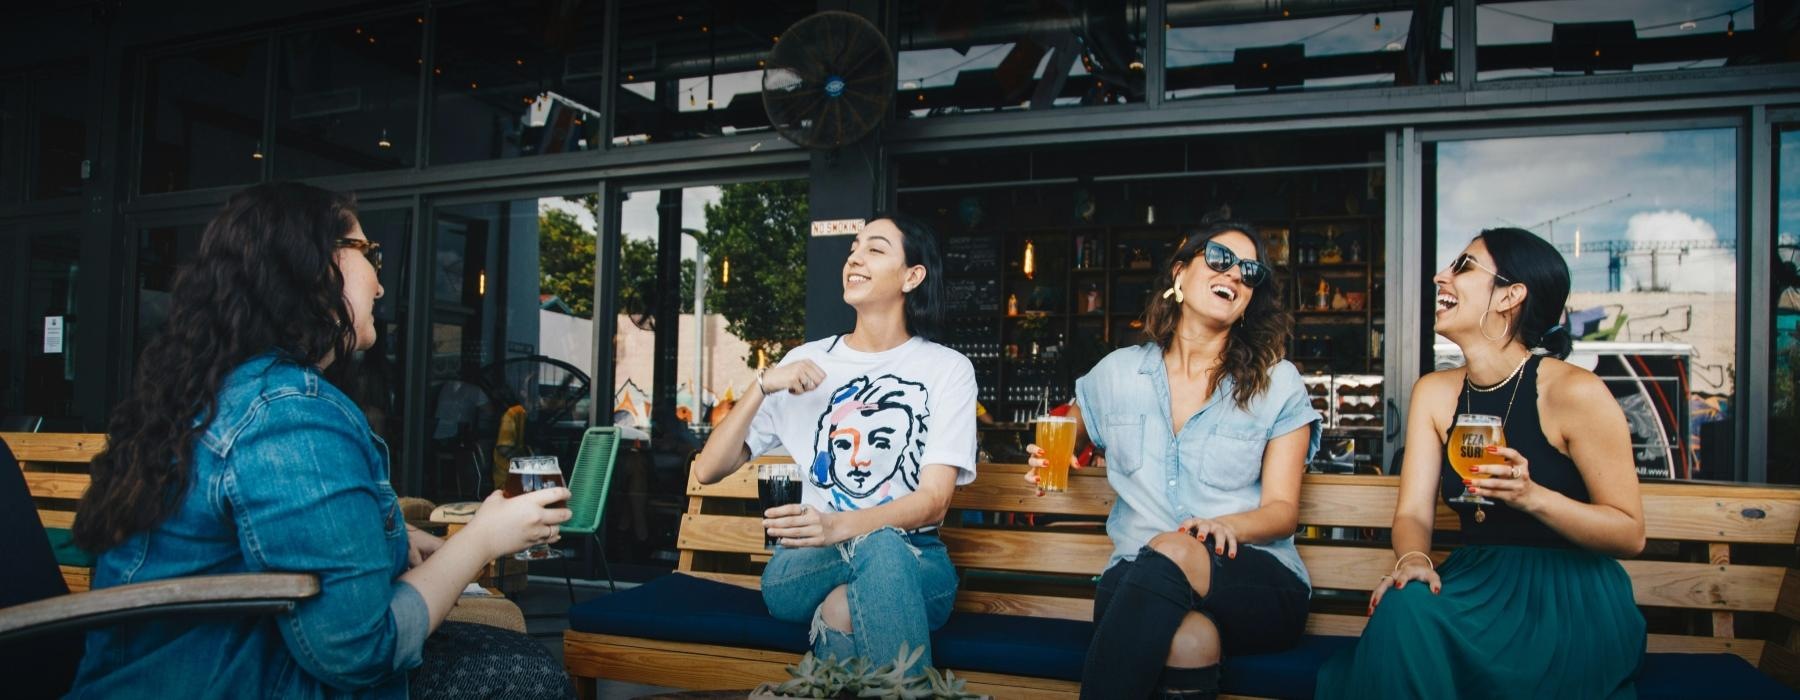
{"x": 1669, "y": 185}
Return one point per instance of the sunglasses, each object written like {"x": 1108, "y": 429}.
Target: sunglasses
{"x": 1463, "y": 262}
{"x": 368, "y": 248}
{"x": 1220, "y": 258}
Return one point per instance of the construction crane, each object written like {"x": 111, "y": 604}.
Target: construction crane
{"x": 1551, "y": 222}
{"x": 1616, "y": 251}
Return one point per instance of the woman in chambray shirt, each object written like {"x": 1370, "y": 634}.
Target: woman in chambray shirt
{"x": 235, "y": 454}
{"x": 1207, "y": 432}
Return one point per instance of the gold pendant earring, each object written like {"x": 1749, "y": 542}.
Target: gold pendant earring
{"x": 1175, "y": 291}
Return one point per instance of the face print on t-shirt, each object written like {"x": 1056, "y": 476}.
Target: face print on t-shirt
{"x": 872, "y": 432}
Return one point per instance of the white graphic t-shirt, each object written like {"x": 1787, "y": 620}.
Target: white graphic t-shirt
{"x": 863, "y": 436}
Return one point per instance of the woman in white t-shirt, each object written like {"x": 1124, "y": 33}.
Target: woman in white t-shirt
{"x": 882, "y": 424}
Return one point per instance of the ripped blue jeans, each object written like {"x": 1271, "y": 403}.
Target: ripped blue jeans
{"x": 901, "y": 587}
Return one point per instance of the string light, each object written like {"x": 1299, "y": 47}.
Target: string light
{"x": 1030, "y": 265}
{"x": 1377, "y": 27}
{"x": 481, "y": 283}
{"x": 1731, "y": 26}
{"x": 725, "y": 272}
{"x": 257, "y": 153}
{"x": 383, "y": 142}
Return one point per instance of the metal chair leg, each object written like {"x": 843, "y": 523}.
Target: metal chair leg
{"x": 600, "y": 548}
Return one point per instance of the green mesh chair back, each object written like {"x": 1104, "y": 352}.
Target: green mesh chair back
{"x": 591, "y": 478}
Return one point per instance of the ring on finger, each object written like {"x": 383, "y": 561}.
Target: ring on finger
{"x": 1515, "y": 472}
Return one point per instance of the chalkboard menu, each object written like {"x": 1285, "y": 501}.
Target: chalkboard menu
{"x": 971, "y": 255}
{"x": 972, "y": 295}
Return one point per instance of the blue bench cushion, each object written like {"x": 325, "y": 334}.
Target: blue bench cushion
{"x": 683, "y": 608}
{"x": 62, "y": 543}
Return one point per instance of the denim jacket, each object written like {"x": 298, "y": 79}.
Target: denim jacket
{"x": 287, "y": 477}
{"x": 1213, "y": 467}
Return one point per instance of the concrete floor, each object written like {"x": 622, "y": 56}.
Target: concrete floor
{"x": 545, "y": 603}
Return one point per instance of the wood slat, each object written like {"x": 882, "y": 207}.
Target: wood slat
{"x": 1705, "y": 586}
{"x": 56, "y": 484}
{"x": 78, "y": 578}
{"x": 1026, "y": 550}
{"x": 1002, "y": 487}
{"x": 55, "y": 447}
{"x": 1736, "y": 514}
{"x": 56, "y": 518}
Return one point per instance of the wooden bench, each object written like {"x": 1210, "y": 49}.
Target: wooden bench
{"x": 56, "y": 473}
{"x": 1690, "y": 588}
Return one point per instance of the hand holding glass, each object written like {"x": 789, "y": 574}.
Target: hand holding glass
{"x": 527, "y": 474}
{"x": 1470, "y": 437}
{"x": 777, "y": 485}
{"x": 1056, "y": 436}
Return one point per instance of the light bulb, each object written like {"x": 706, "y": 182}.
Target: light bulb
{"x": 383, "y": 142}
{"x": 257, "y": 153}
{"x": 1030, "y": 264}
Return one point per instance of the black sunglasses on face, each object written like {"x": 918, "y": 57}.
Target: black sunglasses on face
{"x": 369, "y": 249}
{"x": 1463, "y": 262}
{"x": 1220, "y": 258}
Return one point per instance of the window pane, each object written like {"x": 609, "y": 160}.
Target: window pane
{"x": 161, "y": 253}
{"x": 1784, "y": 338}
{"x": 347, "y": 98}
{"x": 12, "y": 139}
{"x": 959, "y": 57}
{"x": 1225, "y": 48}
{"x": 493, "y": 351}
{"x": 379, "y": 383}
{"x": 516, "y": 78}
{"x": 203, "y": 118}
{"x": 50, "y": 376}
{"x": 1647, "y": 223}
{"x": 694, "y": 69}
{"x": 59, "y": 112}
{"x": 1577, "y": 37}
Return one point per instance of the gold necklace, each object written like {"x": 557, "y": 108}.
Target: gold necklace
{"x": 1469, "y": 405}
{"x": 1468, "y": 377}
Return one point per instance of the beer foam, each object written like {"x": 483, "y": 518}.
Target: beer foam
{"x": 1054, "y": 419}
{"x": 534, "y": 465}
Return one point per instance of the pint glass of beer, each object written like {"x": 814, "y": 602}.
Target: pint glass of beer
{"x": 1470, "y": 437}
{"x": 777, "y": 485}
{"x": 527, "y": 474}
{"x": 1056, "y": 435}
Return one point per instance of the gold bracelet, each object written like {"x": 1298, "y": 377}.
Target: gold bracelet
{"x": 1403, "y": 558}
{"x": 759, "y": 386}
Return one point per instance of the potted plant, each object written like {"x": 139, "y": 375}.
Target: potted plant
{"x": 859, "y": 678}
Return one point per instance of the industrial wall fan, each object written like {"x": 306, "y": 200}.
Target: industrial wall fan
{"x": 828, "y": 81}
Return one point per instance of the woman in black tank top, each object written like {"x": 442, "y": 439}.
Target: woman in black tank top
{"x": 1534, "y": 604}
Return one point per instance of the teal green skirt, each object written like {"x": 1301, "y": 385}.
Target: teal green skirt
{"x": 1510, "y": 622}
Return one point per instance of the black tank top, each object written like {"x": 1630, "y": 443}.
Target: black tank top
{"x": 1551, "y": 469}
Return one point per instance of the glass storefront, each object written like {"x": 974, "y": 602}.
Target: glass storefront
{"x": 691, "y": 70}
{"x": 516, "y": 79}
{"x": 47, "y": 356}
{"x": 347, "y": 98}
{"x": 1784, "y": 293}
{"x": 962, "y": 57}
{"x": 1581, "y": 37}
{"x": 1647, "y": 222}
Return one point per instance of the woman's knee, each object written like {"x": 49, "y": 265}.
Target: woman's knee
{"x": 1189, "y": 555}
{"x": 1195, "y": 644}
{"x": 835, "y": 611}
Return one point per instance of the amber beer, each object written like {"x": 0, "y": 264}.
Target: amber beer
{"x": 1056, "y": 435}
{"x": 1470, "y": 437}
{"x": 527, "y": 474}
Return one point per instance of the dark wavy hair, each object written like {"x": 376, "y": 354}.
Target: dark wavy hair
{"x": 925, "y": 303}
{"x": 1524, "y": 258}
{"x": 265, "y": 278}
{"x": 1255, "y": 343}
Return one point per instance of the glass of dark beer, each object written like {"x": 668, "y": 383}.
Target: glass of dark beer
{"x": 777, "y": 485}
{"x": 527, "y": 474}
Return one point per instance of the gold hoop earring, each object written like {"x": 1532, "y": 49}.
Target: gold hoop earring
{"x": 1483, "y": 324}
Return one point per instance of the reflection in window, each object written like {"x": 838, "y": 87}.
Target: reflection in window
{"x": 378, "y": 384}
{"x": 347, "y": 98}
{"x": 161, "y": 253}
{"x": 1784, "y": 338}
{"x": 516, "y": 78}
{"x": 59, "y": 132}
{"x": 510, "y": 367}
{"x": 1577, "y": 37}
{"x": 1647, "y": 223}
{"x": 694, "y": 69}
{"x": 203, "y": 118}
{"x": 1220, "y": 48}
{"x": 12, "y": 138}
{"x": 957, "y": 56}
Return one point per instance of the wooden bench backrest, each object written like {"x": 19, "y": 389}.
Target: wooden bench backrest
{"x": 1718, "y": 515}
{"x": 56, "y": 473}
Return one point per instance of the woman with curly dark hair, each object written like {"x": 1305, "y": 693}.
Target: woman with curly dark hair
{"x": 1207, "y": 431}
{"x": 234, "y": 454}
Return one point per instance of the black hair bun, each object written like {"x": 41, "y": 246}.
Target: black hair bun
{"x": 1556, "y": 342}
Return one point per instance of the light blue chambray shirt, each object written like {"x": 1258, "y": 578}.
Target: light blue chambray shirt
{"x": 1213, "y": 468}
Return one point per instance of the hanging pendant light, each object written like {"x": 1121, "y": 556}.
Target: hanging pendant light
{"x": 1030, "y": 264}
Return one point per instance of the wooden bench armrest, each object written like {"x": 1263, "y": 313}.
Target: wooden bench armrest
{"x": 240, "y": 594}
